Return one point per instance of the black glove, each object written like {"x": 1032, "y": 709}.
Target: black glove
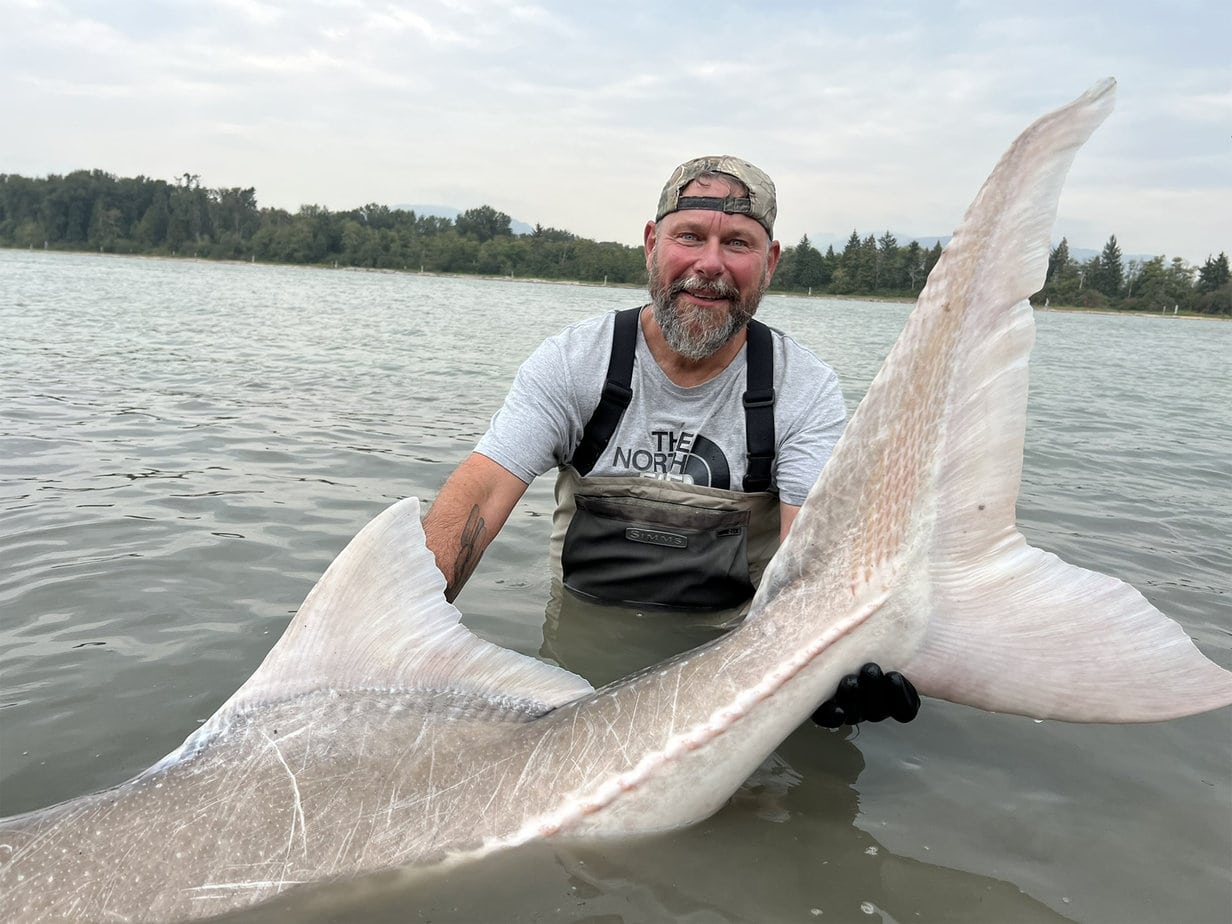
{"x": 869, "y": 696}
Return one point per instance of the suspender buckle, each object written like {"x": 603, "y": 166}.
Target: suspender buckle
{"x": 758, "y": 399}
{"x": 617, "y": 394}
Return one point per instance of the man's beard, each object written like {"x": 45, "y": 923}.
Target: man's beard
{"x": 697, "y": 331}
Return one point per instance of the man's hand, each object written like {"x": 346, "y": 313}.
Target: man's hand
{"x": 869, "y": 696}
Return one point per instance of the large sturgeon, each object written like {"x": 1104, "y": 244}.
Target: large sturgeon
{"x": 380, "y": 733}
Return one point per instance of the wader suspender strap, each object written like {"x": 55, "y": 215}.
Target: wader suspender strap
{"x": 617, "y": 393}
{"x": 759, "y": 408}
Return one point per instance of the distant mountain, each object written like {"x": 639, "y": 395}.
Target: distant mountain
{"x": 448, "y": 211}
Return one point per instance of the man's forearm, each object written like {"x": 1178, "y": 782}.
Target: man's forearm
{"x": 457, "y": 543}
{"x": 466, "y": 516}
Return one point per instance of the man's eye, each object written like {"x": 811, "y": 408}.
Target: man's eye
{"x": 737, "y": 242}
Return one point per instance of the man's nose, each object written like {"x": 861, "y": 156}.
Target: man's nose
{"x": 709, "y": 259}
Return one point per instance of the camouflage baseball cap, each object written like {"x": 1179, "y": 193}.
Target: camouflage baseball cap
{"x": 759, "y": 204}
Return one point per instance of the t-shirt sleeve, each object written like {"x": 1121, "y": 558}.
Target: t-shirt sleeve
{"x": 811, "y": 420}
{"x": 538, "y": 424}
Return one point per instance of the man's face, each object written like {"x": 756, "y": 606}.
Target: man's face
{"x": 708, "y": 271}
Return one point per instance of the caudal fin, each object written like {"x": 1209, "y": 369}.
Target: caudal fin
{"x": 914, "y": 516}
{"x": 1014, "y": 628}
{"x": 1023, "y": 631}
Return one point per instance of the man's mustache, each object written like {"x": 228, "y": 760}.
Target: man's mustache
{"x": 697, "y": 284}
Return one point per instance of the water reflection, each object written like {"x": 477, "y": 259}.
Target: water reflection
{"x": 605, "y": 643}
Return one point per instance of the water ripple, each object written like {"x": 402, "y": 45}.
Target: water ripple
{"x": 184, "y": 447}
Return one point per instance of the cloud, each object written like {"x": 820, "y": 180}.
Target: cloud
{"x": 571, "y": 115}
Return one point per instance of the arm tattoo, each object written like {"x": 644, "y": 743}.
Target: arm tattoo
{"x": 468, "y": 557}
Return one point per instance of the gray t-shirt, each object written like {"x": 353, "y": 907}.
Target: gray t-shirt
{"x": 695, "y": 435}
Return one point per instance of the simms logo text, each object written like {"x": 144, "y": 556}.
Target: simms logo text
{"x": 657, "y": 537}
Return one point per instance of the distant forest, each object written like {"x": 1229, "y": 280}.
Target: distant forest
{"x": 96, "y": 211}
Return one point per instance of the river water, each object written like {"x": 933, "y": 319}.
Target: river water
{"x": 185, "y": 446}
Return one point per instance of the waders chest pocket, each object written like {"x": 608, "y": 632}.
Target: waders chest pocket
{"x": 643, "y": 552}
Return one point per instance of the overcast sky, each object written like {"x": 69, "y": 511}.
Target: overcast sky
{"x": 868, "y": 115}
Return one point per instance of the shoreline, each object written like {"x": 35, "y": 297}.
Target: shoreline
{"x": 1058, "y": 309}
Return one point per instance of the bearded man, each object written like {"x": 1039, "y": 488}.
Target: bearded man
{"x": 681, "y": 469}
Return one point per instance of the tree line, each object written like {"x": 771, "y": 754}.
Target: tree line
{"x": 94, "y": 210}
{"x": 879, "y": 266}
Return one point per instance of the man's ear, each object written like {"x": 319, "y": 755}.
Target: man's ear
{"x": 772, "y": 260}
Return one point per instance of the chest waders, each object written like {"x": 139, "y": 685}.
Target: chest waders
{"x": 645, "y": 542}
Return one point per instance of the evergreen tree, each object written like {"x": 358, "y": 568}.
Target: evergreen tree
{"x": 1066, "y": 277}
{"x": 846, "y": 278}
{"x": 830, "y": 262}
{"x": 1108, "y": 276}
{"x": 866, "y": 278}
{"x": 809, "y": 269}
{"x": 885, "y": 263}
{"x": 913, "y": 267}
{"x": 1213, "y": 273}
{"x": 1214, "y": 287}
{"x": 1059, "y": 262}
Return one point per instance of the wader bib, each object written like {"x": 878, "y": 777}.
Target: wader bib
{"x": 644, "y": 542}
